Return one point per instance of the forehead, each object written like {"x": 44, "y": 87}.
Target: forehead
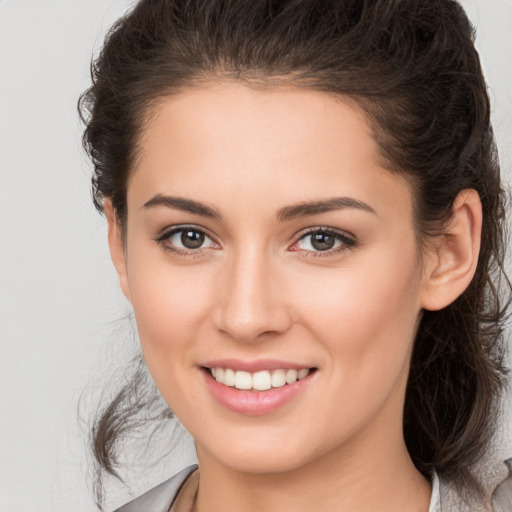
{"x": 228, "y": 141}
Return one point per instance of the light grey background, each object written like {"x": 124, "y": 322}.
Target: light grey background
{"x": 59, "y": 298}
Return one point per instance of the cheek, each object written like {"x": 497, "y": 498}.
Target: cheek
{"x": 170, "y": 305}
{"x": 366, "y": 314}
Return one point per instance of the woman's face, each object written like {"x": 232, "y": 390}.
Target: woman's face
{"x": 264, "y": 238}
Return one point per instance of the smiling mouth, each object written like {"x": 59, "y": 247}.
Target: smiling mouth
{"x": 258, "y": 381}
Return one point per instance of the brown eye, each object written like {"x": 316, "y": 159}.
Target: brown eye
{"x": 322, "y": 241}
{"x": 186, "y": 239}
{"x": 191, "y": 239}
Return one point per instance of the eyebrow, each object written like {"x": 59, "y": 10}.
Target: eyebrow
{"x": 316, "y": 207}
{"x": 186, "y": 205}
{"x": 284, "y": 214}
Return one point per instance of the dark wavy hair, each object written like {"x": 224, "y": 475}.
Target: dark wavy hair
{"x": 412, "y": 67}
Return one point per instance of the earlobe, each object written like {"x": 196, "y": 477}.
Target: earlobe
{"x": 453, "y": 256}
{"x": 117, "y": 249}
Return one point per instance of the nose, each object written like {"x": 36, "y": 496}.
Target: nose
{"x": 251, "y": 302}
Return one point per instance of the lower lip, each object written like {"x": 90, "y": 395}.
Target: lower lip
{"x": 253, "y": 403}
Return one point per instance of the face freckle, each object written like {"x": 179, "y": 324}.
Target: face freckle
{"x": 218, "y": 273}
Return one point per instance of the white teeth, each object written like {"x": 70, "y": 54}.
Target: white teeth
{"x": 302, "y": 373}
{"x": 243, "y": 380}
{"x": 219, "y": 375}
{"x": 291, "y": 376}
{"x": 261, "y": 381}
{"x": 229, "y": 377}
{"x": 278, "y": 378}
{"x": 258, "y": 381}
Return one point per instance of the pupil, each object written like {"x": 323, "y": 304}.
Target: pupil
{"x": 322, "y": 241}
{"x": 192, "y": 239}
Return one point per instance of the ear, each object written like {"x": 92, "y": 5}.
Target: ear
{"x": 117, "y": 248}
{"x": 453, "y": 256}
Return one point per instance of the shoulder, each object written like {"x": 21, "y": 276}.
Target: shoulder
{"x": 502, "y": 496}
{"x": 160, "y": 498}
{"x": 496, "y": 480}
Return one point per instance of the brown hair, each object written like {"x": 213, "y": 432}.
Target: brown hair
{"x": 412, "y": 67}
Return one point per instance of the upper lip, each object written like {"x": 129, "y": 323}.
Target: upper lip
{"x": 254, "y": 366}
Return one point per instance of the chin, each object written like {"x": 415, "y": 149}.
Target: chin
{"x": 263, "y": 456}
{"x": 265, "y": 463}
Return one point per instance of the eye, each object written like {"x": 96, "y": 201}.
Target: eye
{"x": 321, "y": 240}
{"x": 185, "y": 239}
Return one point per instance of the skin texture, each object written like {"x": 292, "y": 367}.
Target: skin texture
{"x": 257, "y": 289}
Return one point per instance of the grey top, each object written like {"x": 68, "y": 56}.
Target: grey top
{"x": 444, "y": 498}
{"x": 161, "y": 497}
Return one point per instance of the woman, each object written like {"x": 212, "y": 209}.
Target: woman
{"x": 305, "y": 211}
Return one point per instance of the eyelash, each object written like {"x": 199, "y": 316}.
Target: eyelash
{"x": 166, "y": 235}
{"x": 347, "y": 242}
